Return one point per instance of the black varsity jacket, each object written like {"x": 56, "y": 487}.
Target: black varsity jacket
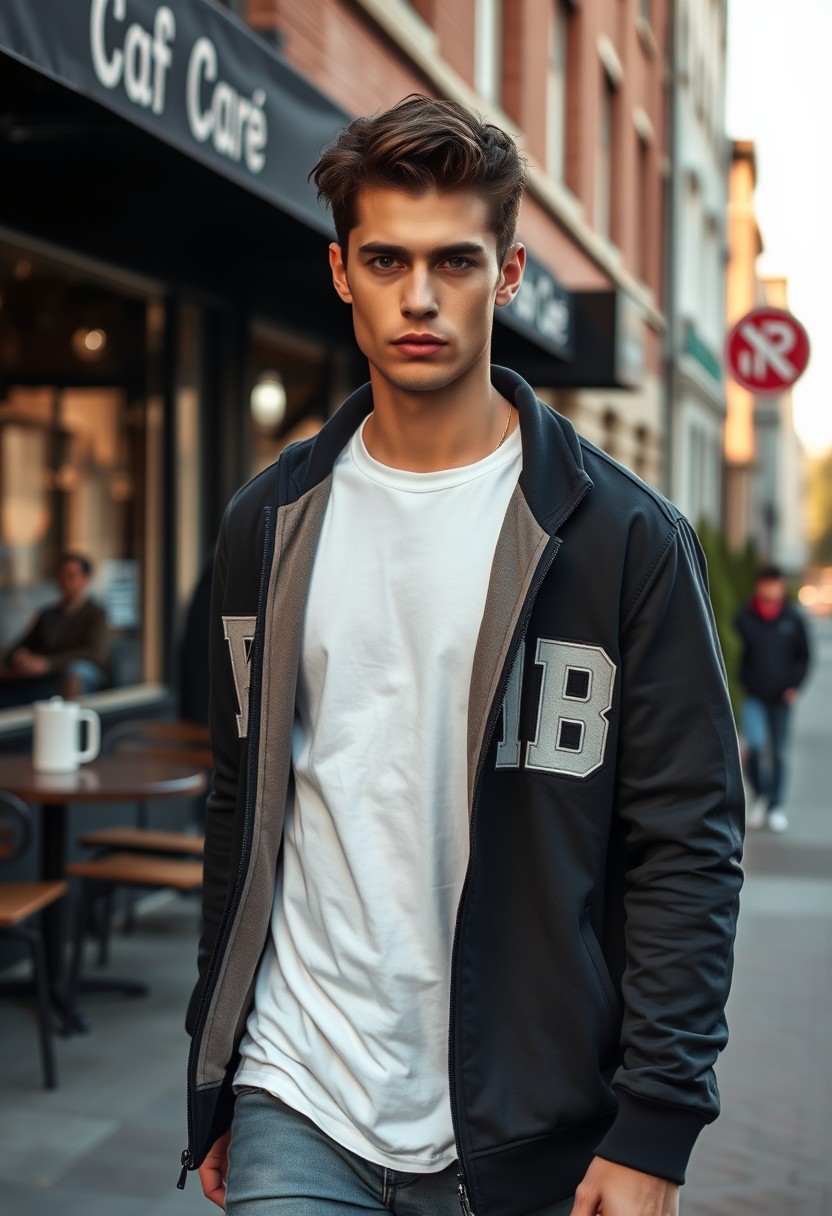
{"x": 593, "y": 947}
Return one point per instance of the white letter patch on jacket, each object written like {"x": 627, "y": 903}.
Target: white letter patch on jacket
{"x": 575, "y": 697}
{"x": 239, "y": 633}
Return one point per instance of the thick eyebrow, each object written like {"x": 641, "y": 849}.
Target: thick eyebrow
{"x": 459, "y": 249}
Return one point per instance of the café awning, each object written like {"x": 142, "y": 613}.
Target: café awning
{"x": 192, "y": 75}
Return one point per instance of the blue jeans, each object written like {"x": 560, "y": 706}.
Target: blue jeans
{"x": 89, "y": 675}
{"x": 765, "y": 731}
{"x": 281, "y": 1164}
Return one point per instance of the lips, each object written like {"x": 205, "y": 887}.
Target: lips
{"x": 419, "y": 345}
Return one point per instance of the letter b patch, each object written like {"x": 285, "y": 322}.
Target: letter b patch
{"x": 576, "y": 691}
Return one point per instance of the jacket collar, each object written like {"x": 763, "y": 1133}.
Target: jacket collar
{"x": 553, "y": 479}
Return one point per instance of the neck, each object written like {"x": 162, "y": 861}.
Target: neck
{"x": 72, "y": 605}
{"x": 444, "y": 428}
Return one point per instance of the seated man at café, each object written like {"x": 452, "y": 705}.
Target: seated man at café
{"x": 66, "y": 649}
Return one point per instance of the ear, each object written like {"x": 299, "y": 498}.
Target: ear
{"x": 511, "y": 275}
{"x": 339, "y": 273}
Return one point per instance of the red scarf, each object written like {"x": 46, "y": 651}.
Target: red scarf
{"x": 765, "y": 609}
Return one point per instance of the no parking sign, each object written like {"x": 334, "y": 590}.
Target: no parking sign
{"x": 767, "y": 350}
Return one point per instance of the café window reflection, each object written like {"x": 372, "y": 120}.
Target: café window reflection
{"x": 76, "y": 455}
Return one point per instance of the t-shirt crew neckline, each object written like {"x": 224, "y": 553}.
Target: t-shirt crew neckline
{"x": 440, "y": 479}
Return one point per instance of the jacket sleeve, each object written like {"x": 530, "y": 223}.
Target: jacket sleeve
{"x": 680, "y": 795}
{"x": 222, "y": 798}
{"x": 801, "y": 655}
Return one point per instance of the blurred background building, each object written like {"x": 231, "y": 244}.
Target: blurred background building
{"x": 697, "y": 249}
{"x": 167, "y": 322}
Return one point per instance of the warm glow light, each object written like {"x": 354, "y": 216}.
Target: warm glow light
{"x": 268, "y": 400}
{"x": 89, "y": 344}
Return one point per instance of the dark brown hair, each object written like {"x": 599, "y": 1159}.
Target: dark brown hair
{"x": 418, "y": 145}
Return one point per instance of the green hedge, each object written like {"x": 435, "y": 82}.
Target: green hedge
{"x": 731, "y": 581}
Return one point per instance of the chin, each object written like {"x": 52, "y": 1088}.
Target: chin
{"x": 422, "y": 379}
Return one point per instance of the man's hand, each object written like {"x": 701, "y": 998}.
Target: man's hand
{"x": 615, "y": 1190}
{"x": 28, "y": 663}
{"x": 213, "y": 1171}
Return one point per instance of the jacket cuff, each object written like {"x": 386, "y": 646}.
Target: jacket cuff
{"x": 652, "y": 1137}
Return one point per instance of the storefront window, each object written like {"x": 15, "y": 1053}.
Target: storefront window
{"x": 76, "y": 451}
{"x": 292, "y": 391}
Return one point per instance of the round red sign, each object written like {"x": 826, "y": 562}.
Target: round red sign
{"x": 767, "y": 350}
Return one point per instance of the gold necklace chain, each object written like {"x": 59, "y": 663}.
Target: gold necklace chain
{"x": 505, "y": 432}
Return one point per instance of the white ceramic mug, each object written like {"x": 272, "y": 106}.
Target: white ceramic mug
{"x": 57, "y": 736}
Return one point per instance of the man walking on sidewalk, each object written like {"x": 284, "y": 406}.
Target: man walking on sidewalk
{"x": 775, "y": 660}
{"x": 472, "y": 850}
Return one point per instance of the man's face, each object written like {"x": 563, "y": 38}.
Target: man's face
{"x": 422, "y": 278}
{"x": 771, "y": 591}
{"x": 71, "y": 580}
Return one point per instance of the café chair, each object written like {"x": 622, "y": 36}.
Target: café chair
{"x": 99, "y": 877}
{"x": 19, "y": 904}
{"x": 186, "y": 742}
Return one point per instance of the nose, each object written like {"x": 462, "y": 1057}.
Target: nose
{"x": 418, "y": 294}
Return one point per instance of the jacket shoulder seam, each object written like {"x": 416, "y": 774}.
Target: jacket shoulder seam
{"x": 648, "y": 578}
{"x": 668, "y": 510}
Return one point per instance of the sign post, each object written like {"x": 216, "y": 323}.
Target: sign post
{"x": 767, "y": 351}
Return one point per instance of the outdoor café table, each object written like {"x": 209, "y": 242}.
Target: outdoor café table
{"x": 110, "y": 779}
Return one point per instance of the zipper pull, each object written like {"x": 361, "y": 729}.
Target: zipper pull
{"x": 186, "y": 1164}
{"x": 463, "y": 1196}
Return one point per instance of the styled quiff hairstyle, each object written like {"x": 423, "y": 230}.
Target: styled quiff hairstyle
{"x": 418, "y": 145}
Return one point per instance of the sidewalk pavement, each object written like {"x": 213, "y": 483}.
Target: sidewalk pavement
{"x": 107, "y": 1142}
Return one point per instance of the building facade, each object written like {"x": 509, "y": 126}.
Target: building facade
{"x": 697, "y": 256}
{"x": 764, "y": 460}
{"x": 779, "y": 483}
{"x": 744, "y": 291}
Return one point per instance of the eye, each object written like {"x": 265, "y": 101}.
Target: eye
{"x": 384, "y": 261}
{"x": 458, "y": 262}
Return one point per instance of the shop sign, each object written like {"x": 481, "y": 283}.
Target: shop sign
{"x": 193, "y": 76}
{"x": 542, "y": 310}
{"x": 137, "y": 59}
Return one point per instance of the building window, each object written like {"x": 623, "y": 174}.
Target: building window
{"x": 605, "y": 167}
{"x": 558, "y": 94}
{"x": 643, "y": 215}
{"x": 81, "y": 456}
{"x": 488, "y": 49}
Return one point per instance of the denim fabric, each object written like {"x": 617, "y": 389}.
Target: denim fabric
{"x": 281, "y": 1164}
{"x": 765, "y": 731}
{"x": 90, "y": 676}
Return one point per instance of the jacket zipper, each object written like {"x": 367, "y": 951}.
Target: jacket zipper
{"x": 219, "y": 949}
{"x": 496, "y": 706}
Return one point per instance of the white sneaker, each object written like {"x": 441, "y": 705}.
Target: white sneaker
{"x": 777, "y": 821}
{"x": 757, "y": 814}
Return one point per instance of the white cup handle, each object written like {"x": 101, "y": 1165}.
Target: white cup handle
{"x": 93, "y": 735}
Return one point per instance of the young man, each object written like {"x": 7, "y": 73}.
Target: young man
{"x": 482, "y": 958}
{"x": 775, "y": 660}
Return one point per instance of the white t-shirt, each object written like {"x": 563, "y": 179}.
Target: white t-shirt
{"x": 350, "y": 1022}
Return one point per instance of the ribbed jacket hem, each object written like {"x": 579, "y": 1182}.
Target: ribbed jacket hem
{"x": 652, "y": 1137}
